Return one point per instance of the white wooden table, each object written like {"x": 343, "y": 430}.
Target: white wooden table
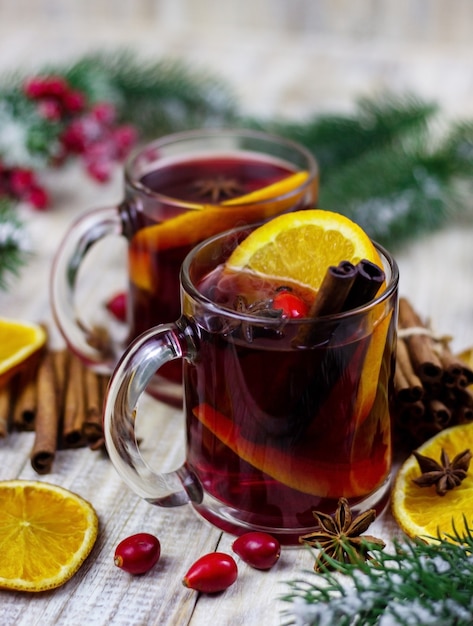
{"x": 435, "y": 274}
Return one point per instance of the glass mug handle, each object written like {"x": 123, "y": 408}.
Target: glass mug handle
{"x": 84, "y": 233}
{"x": 143, "y": 358}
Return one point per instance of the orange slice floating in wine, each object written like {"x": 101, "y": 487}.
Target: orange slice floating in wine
{"x": 203, "y": 221}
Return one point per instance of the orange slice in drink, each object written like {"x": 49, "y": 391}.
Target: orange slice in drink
{"x": 420, "y": 511}
{"x": 300, "y": 247}
{"x": 203, "y": 221}
{"x": 301, "y": 471}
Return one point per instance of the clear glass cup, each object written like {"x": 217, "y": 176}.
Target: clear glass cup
{"x": 274, "y": 429}
{"x": 179, "y": 190}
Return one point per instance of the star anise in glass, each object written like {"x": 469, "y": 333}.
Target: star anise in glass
{"x": 339, "y": 537}
{"x": 261, "y": 308}
{"x": 445, "y": 475}
{"x": 217, "y": 188}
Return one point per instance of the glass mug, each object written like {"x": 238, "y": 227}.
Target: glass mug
{"x": 179, "y": 190}
{"x": 274, "y": 429}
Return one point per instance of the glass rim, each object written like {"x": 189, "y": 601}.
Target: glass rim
{"x": 190, "y": 288}
{"x": 174, "y": 138}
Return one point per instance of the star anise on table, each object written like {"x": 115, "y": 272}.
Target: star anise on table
{"x": 445, "y": 475}
{"x": 217, "y": 188}
{"x": 340, "y": 538}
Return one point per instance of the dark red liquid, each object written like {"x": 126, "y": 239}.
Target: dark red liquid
{"x": 160, "y": 303}
{"x": 276, "y": 429}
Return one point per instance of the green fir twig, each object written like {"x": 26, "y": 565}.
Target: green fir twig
{"x": 157, "y": 97}
{"x": 419, "y": 583}
{"x": 12, "y": 253}
{"x": 389, "y": 165}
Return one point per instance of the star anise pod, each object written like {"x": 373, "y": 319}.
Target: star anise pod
{"x": 339, "y": 537}
{"x": 445, "y": 475}
{"x": 261, "y": 308}
{"x": 217, "y": 188}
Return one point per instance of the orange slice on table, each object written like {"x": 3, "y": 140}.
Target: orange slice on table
{"x": 46, "y": 533}
{"x": 203, "y": 221}
{"x": 420, "y": 511}
{"x": 18, "y": 341}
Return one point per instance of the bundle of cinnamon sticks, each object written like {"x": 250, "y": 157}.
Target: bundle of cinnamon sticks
{"x": 431, "y": 385}
{"x": 58, "y": 398}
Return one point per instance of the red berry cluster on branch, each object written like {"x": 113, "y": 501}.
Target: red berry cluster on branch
{"x": 19, "y": 183}
{"x": 74, "y": 127}
{"x": 55, "y": 98}
{"x": 95, "y": 137}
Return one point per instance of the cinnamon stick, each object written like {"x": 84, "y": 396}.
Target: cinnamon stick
{"x": 4, "y": 410}
{"x": 424, "y": 358}
{"x": 92, "y": 429}
{"x": 74, "y": 404}
{"x": 369, "y": 278}
{"x": 24, "y": 411}
{"x": 330, "y": 299}
{"x": 439, "y": 414}
{"x": 456, "y": 372}
{"x": 47, "y": 418}
{"x": 407, "y": 385}
{"x": 61, "y": 360}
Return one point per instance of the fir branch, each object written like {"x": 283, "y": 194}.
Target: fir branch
{"x": 12, "y": 252}
{"x": 385, "y": 167}
{"x": 156, "y": 97}
{"x": 418, "y": 584}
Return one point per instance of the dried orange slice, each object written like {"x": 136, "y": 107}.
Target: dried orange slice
{"x": 419, "y": 511}
{"x": 300, "y": 246}
{"x": 204, "y": 221}
{"x": 46, "y": 533}
{"x": 18, "y": 341}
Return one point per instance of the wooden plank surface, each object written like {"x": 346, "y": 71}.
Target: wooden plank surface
{"x": 435, "y": 274}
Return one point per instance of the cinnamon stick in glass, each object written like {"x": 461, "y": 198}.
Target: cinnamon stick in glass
{"x": 424, "y": 358}
{"x": 47, "y": 418}
{"x": 330, "y": 299}
{"x": 369, "y": 278}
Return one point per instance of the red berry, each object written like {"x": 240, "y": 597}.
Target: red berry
{"x": 38, "y": 197}
{"x": 211, "y": 573}
{"x": 260, "y": 550}
{"x": 104, "y": 112}
{"x": 73, "y": 101}
{"x": 21, "y": 181}
{"x": 117, "y": 306}
{"x": 137, "y": 554}
{"x": 290, "y": 304}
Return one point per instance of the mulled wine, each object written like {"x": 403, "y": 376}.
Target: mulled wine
{"x": 211, "y": 186}
{"x": 277, "y": 429}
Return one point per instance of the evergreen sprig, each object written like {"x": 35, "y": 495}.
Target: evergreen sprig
{"x": 417, "y": 584}
{"x": 388, "y": 165}
{"x": 12, "y": 250}
{"x": 157, "y": 97}
{"x": 393, "y": 165}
